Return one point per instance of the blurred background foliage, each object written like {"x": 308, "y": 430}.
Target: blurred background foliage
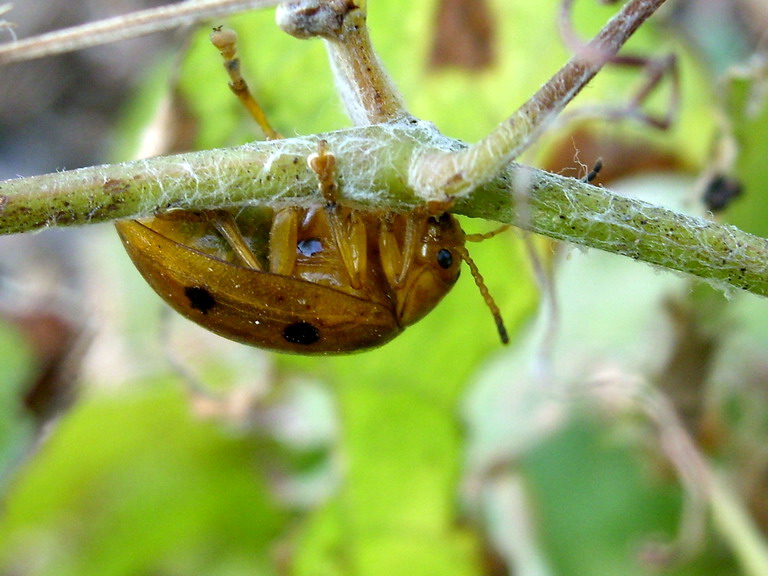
{"x": 622, "y": 430}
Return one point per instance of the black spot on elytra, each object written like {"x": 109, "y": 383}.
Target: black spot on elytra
{"x": 199, "y": 298}
{"x": 302, "y": 333}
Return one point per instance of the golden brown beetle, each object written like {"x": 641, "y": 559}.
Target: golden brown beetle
{"x": 313, "y": 280}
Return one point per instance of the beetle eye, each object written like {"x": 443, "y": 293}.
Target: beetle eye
{"x": 444, "y": 258}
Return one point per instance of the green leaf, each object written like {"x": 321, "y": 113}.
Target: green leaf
{"x": 134, "y": 483}
{"x": 750, "y": 124}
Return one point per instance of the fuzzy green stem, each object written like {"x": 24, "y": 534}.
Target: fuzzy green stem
{"x": 571, "y": 210}
{"x": 271, "y": 173}
{"x": 373, "y": 164}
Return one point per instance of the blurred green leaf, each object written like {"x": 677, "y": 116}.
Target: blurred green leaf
{"x": 17, "y": 370}
{"x": 133, "y": 483}
{"x": 750, "y": 125}
{"x": 589, "y": 487}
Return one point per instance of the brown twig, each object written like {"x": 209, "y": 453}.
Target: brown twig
{"x": 124, "y": 27}
{"x": 437, "y": 174}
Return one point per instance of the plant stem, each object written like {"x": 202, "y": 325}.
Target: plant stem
{"x": 373, "y": 163}
{"x": 123, "y": 27}
{"x": 735, "y": 524}
{"x": 438, "y": 174}
{"x": 571, "y": 210}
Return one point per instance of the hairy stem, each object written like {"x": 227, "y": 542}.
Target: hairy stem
{"x": 372, "y": 169}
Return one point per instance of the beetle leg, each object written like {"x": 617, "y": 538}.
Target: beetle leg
{"x": 390, "y": 254}
{"x": 350, "y": 237}
{"x": 283, "y": 237}
{"x": 228, "y": 228}
{"x": 413, "y": 227}
{"x": 437, "y": 207}
{"x": 226, "y": 41}
{"x": 323, "y": 163}
{"x": 349, "y": 232}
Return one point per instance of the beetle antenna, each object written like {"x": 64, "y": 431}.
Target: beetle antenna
{"x": 486, "y": 235}
{"x": 464, "y": 254}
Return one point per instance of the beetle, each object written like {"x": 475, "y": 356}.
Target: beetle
{"x": 318, "y": 279}
{"x": 321, "y": 279}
